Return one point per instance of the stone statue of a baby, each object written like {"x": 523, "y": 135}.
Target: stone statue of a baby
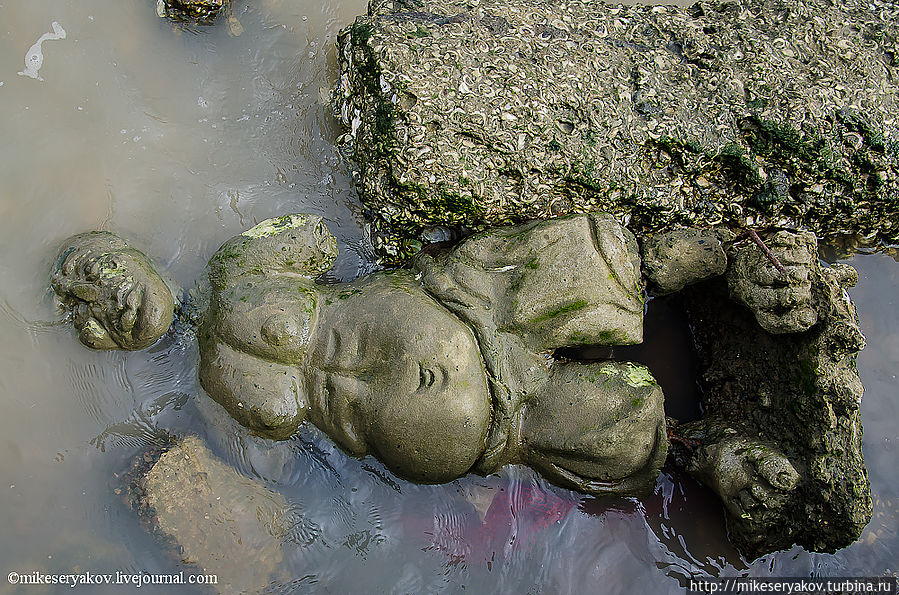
{"x": 446, "y": 367}
{"x": 443, "y": 368}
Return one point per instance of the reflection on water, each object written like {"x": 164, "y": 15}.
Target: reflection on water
{"x": 178, "y": 139}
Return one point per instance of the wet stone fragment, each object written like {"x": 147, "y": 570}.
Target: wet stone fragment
{"x": 227, "y": 524}
{"x": 673, "y": 260}
{"x": 768, "y": 114}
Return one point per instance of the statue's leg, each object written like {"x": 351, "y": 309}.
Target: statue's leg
{"x": 752, "y": 477}
{"x": 781, "y": 438}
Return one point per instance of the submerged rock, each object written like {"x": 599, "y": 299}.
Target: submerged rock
{"x": 229, "y": 525}
{"x": 760, "y": 112}
{"x": 202, "y": 11}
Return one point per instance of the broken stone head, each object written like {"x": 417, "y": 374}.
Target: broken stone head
{"x": 117, "y": 299}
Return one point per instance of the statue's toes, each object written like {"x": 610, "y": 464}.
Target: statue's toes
{"x": 804, "y": 317}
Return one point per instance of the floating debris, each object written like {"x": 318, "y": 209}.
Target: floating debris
{"x": 34, "y": 58}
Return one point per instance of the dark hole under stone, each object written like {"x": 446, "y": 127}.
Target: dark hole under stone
{"x": 667, "y": 350}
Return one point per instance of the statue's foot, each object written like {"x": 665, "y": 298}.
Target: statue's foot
{"x": 749, "y": 476}
{"x": 780, "y": 295}
{"x": 117, "y": 298}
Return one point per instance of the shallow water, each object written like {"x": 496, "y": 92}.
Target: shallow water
{"x": 178, "y": 139}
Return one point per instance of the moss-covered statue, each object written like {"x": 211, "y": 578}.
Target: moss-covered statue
{"x": 449, "y": 367}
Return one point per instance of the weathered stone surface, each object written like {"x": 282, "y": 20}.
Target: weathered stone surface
{"x": 227, "y": 524}
{"x": 673, "y": 260}
{"x": 758, "y": 112}
{"x": 797, "y": 396}
{"x": 117, "y": 299}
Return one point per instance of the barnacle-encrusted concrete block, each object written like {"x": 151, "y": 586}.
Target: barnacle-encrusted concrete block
{"x": 753, "y": 112}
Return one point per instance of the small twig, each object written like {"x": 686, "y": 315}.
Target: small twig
{"x": 690, "y": 444}
{"x": 761, "y": 244}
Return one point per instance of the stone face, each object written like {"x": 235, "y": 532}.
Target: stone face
{"x": 225, "y": 523}
{"x": 797, "y": 395}
{"x": 117, "y": 299}
{"x": 763, "y": 113}
{"x": 673, "y": 260}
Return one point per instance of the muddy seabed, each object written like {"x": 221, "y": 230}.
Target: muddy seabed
{"x": 179, "y": 139}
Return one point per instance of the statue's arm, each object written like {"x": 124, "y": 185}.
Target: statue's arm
{"x": 674, "y": 260}
{"x": 264, "y": 396}
{"x": 772, "y": 278}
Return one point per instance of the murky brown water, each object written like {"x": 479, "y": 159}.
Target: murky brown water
{"x": 179, "y": 140}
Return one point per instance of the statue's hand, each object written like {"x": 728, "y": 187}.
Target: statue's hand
{"x": 780, "y": 297}
{"x": 748, "y": 475}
